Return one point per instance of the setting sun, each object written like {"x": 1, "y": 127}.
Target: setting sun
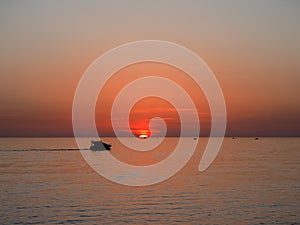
{"x": 143, "y": 136}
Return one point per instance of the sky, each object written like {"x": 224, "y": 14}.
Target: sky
{"x": 253, "y": 48}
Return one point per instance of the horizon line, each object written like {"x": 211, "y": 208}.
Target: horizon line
{"x": 226, "y": 136}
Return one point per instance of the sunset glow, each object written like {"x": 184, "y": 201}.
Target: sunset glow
{"x": 253, "y": 55}
{"x": 159, "y": 112}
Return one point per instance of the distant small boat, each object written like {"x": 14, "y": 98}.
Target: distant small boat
{"x": 99, "y": 146}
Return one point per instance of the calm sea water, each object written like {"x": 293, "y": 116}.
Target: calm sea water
{"x": 250, "y": 182}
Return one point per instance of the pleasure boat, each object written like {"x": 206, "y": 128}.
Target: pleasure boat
{"x": 99, "y": 146}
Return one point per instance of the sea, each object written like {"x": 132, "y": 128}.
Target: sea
{"x": 47, "y": 181}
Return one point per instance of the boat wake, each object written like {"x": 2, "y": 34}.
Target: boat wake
{"x": 43, "y": 150}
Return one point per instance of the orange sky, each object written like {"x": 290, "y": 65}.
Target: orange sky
{"x": 251, "y": 46}
{"x": 150, "y": 107}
